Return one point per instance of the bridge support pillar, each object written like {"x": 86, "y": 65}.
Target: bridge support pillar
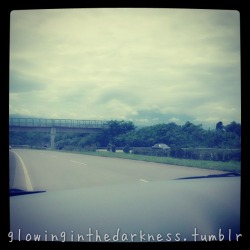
{"x": 52, "y": 137}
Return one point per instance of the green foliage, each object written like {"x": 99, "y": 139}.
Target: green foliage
{"x": 90, "y": 148}
{"x": 112, "y": 133}
{"x": 32, "y": 139}
{"x": 111, "y": 147}
{"x": 211, "y": 154}
{"x": 125, "y": 135}
{"x": 150, "y": 152}
{"x": 234, "y": 128}
{"x": 219, "y": 126}
{"x": 126, "y": 149}
{"x": 233, "y": 166}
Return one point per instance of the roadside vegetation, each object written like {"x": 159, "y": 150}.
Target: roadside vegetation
{"x": 190, "y": 145}
{"x": 230, "y": 166}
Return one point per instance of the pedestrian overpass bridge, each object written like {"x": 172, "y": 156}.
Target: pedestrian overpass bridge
{"x": 54, "y": 126}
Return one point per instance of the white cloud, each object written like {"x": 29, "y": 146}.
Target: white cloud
{"x": 175, "y": 120}
{"x": 113, "y": 63}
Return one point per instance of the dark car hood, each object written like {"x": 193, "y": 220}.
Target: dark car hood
{"x": 177, "y": 207}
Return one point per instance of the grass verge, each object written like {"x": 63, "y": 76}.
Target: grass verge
{"x": 231, "y": 166}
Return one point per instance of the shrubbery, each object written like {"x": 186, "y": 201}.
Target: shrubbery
{"x": 126, "y": 149}
{"x": 150, "y": 151}
{"x": 212, "y": 154}
{"x": 186, "y": 141}
{"x": 111, "y": 147}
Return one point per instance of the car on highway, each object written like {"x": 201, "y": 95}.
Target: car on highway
{"x": 160, "y": 146}
{"x": 186, "y": 209}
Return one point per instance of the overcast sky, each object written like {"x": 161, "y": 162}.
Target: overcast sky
{"x": 143, "y": 65}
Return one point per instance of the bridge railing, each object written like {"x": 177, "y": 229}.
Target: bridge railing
{"x": 63, "y": 123}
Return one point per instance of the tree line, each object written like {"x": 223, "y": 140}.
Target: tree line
{"x": 125, "y": 133}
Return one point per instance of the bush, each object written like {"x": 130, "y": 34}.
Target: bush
{"x": 126, "y": 149}
{"x": 210, "y": 154}
{"x": 150, "y": 151}
{"x": 111, "y": 147}
{"x": 176, "y": 152}
{"x": 90, "y": 148}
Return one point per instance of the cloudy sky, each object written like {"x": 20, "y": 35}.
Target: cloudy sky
{"x": 144, "y": 65}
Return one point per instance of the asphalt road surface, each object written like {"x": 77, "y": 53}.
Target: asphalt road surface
{"x": 52, "y": 170}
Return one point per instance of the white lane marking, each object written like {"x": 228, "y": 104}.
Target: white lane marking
{"x": 78, "y": 162}
{"x": 26, "y": 175}
{"x": 143, "y": 180}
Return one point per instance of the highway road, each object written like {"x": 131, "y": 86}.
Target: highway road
{"x": 52, "y": 170}
{"x": 99, "y": 198}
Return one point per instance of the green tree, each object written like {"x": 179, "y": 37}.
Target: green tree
{"x": 115, "y": 129}
{"x": 234, "y": 127}
{"x": 219, "y": 126}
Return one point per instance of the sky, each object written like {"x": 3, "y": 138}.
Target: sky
{"x": 145, "y": 65}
